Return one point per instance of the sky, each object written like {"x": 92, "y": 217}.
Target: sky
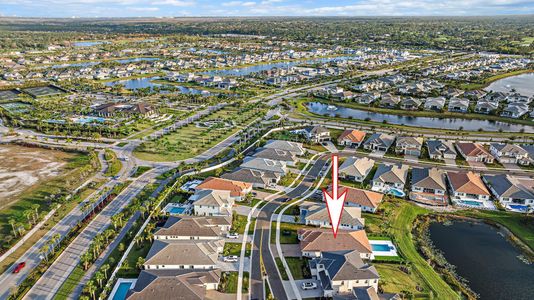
{"x": 177, "y": 8}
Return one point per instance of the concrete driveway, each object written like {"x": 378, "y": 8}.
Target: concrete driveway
{"x": 512, "y": 167}
{"x": 316, "y": 293}
{"x": 378, "y": 154}
{"x": 477, "y": 165}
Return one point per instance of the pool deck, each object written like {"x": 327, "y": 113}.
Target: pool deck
{"x": 484, "y": 204}
{"x": 118, "y": 283}
{"x": 391, "y": 252}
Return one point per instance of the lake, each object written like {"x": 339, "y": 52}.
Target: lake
{"x": 523, "y": 84}
{"x": 486, "y": 259}
{"x": 88, "y": 44}
{"x": 94, "y": 63}
{"x": 264, "y": 67}
{"x": 428, "y": 122}
{"x": 146, "y": 82}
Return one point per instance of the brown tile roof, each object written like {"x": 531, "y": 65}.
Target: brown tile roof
{"x": 361, "y": 197}
{"x": 352, "y": 135}
{"x": 193, "y": 226}
{"x": 236, "y": 188}
{"x": 472, "y": 149}
{"x": 469, "y": 183}
{"x": 323, "y": 240}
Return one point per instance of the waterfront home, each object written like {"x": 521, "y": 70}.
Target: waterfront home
{"x": 194, "y": 228}
{"x": 292, "y": 147}
{"x": 467, "y": 188}
{"x": 258, "y": 179}
{"x": 167, "y": 284}
{"x": 389, "y": 177}
{"x": 428, "y": 186}
{"x": 475, "y": 94}
{"x": 451, "y": 92}
{"x": 238, "y": 189}
{"x": 315, "y": 134}
{"x": 264, "y": 164}
{"x": 351, "y": 138}
{"x": 509, "y": 153}
{"x": 379, "y": 142}
{"x": 182, "y": 254}
{"x": 515, "y": 110}
{"x": 486, "y": 107}
{"x": 512, "y": 192}
{"x": 440, "y": 150}
{"x": 341, "y": 272}
{"x": 313, "y": 242}
{"x": 474, "y": 152}
{"x": 409, "y": 145}
{"x": 366, "y": 98}
{"x": 389, "y": 101}
{"x": 356, "y": 169}
{"x": 368, "y": 201}
{"x": 317, "y": 215}
{"x": 459, "y": 105}
{"x": 410, "y": 103}
{"x": 212, "y": 203}
{"x": 435, "y": 103}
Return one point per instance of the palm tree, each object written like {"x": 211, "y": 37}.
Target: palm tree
{"x": 28, "y": 214}
{"x": 44, "y": 251}
{"x": 140, "y": 262}
{"x": 105, "y": 269}
{"x": 12, "y": 222}
{"x": 85, "y": 259}
{"x": 35, "y": 207}
{"x": 91, "y": 288}
{"x": 99, "y": 278}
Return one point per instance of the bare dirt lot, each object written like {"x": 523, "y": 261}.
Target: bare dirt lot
{"x": 23, "y": 167}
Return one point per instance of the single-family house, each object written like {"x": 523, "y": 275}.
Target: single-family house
{"x": 167, "y": 284}
{"x": 212, "y": 203}
{"x": 356, "y": 169}
{"x": 293, "y": 147}
{"x": 486, "y": 107}
{"x": 388, "y": 100}
{"x": 315, "y": 134}
{"x": 276, "y": 154}
{"x": 435, "y": 103}
{"x": 410, "y": 103}
{"x": 389, "y": 177}
{"x": 264, "y": 164}
{"x": 258, "y": 179}
{"x": 440, "y": 150}
{"x": 474, "y": 152}
{"x": 428, "y": 186}
{"x": 510, "y": 190}
{"x": 313, "y": 242}
{"x": 515, "y": 110}
{"x": 409, "y": 145}
{"x": 379, "y": 142}
{"x": 182, "y": 254}
{"x": 317, "y": 215}
{"x": 238, "y": 189}
{"x": 351, "y": 138}
{"x": 509, "y": 153}
{"x": 459, "y": 105}
{"x": 194, "y": 228}
{"x": 466, "y": 186}
{"x": 340, "y": 272}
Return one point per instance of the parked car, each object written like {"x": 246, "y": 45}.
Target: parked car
{"x": 230, "y": 258}
{"x": 232, "y": 235}
{"x": 309, "y": 286}
{"x": 283, "y": 199}
{"x": 19, "y": 267}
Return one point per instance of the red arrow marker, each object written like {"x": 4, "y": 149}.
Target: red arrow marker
{"x": 335, "y": 202}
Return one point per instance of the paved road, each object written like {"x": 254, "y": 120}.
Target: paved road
{"x": 261, "y": 242}
{"x": 58, "y": 272}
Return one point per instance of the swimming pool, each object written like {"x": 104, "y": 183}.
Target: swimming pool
{"x": 471, "y": 202}
{"x": 84, "y": 120}
{"x": 518, "y": 207}
{"x": 396, "y": 193}
{"x": 380, "y": 247}
{"x": 122, "y": 290}
{"x": 177, "y": 210}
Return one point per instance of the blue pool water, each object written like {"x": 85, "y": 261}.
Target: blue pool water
{"x": 177, "y": 210}
{"x": 380, "y": 247}
{"x": 84, "y": 120}
{"x": 518, "y": 207}
{"x": 396, "y": 193}
{"x": 122, "y": 290}
{"x": 470, "y": 202}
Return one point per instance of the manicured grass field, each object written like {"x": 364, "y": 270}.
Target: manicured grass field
{"x": 394, "y": 280}
{"x": 68, "y": 286}
{"x": 298, "y": 266}
{"x": 235, "y": 249}
{"x": 228, "y": 283}
{"x": 192, "y": 140}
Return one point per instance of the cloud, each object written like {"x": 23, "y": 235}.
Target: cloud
{"x": 144, "y": 8}
{"x": 239, "y": 3}
{"x": 178, "y": 3}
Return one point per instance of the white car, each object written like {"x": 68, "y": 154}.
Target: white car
{"x": 230, "y": 258}
{"x": 309, "y": 286}
{"x": 232, "y": 235}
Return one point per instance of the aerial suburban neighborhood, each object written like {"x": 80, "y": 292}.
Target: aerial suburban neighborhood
{"x": 268, "y": 150}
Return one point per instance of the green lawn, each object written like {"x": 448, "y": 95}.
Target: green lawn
{"x": 228, "y": 282}
{"x": 192, "y": 140}
{"x": 394, "y": 280}
{"x": 68, "y": 286}
{"x": 114, "y": 164}
{"x": 140, "y": 171}
{"x": 128, "y": 268}
{"x": 239, "y": 222}
{"x": 235, "y": 249}
{"x": 298, "y": 266}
